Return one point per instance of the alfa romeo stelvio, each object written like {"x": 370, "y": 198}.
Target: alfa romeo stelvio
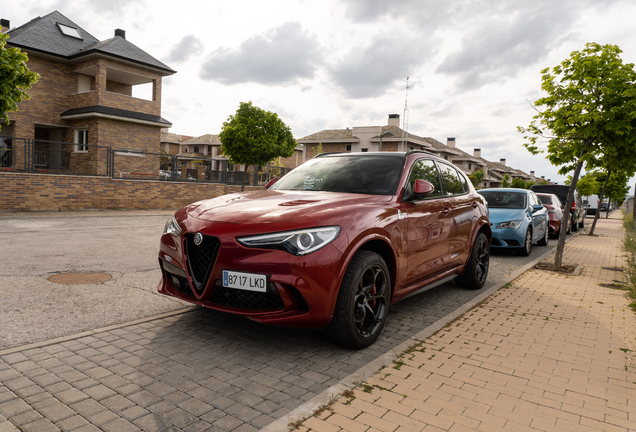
{"x": 332, "y": 244}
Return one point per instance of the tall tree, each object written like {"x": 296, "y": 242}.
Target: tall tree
{"x": 590, "y": 99}
{"x": 254, "y": 136}
{"x": 15, "y": 78}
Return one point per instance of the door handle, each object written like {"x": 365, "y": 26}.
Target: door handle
{"x": 474, "y": 204}
{"x": 446, "y": 211}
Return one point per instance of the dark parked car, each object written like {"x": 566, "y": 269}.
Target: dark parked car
{"x": 553, "y": 205}
{"x": 577, "y": 211}
{"x": 332, "y": 244}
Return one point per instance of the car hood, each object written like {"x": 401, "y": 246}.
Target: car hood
{"x": 275, "y": 206}
{"x": 503, "y": 215}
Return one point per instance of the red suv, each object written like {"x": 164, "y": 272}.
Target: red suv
{"x": 333, "y": 243}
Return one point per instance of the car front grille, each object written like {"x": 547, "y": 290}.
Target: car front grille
{"x": 243, "y": 299}
{"x": 495, "y": 242}
{"x": 201, "y": 259}
{"x": 512, "y": 242}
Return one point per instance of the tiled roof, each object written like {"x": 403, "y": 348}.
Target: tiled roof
{"x": 42, "y": 34}
{"x": 204, "y": 139}
{"x": 332, "y": 134}
{"x": 99, "y": 109}
{"x": 173, "y": 137}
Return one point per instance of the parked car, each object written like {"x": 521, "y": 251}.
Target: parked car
{"x": 332, "y": 244}
{"x": 591, "y": 204}
{"x": 518, "y": 219}
{"x": 607, "y": 204}
{"x": 577, "y": 209}
{"x": 554, "y": 206}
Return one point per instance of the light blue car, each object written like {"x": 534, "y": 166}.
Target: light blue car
{"x": 517, "y": 218}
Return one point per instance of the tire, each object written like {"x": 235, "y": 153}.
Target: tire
{"x": 363, "y": 302}
{"x": 569, "y": 230}
{"x": 527, "y": 245}
{"x": 476, "y": 271}
{"x": 544, "y": 240}
{"x": 582, "y": 224}
{"x": 574, "y": 225}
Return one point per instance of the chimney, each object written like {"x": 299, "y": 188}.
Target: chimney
{"x": 543, "y": 177}
{"x": 477, "y": 153}
{"x": 502, "y": 161}
{"x": 6, "y": 25}
{"x": 532, "y": 173}
{"x": 121, "y": 33}
{"x": 450, "y": 142}
{"x": 394, "y": 120}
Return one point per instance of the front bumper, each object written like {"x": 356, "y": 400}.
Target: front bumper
{"x": 300, "y": 290}
{"x": 507, "y": 238}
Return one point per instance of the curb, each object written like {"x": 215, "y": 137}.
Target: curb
{"x": 332, "y": 393}
{"x": 93, "y": 332}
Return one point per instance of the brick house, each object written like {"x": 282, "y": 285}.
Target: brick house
{"x": 85, "y": 96}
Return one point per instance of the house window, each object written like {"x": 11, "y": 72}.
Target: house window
{"x": 69, "y": 31}
{"x": 364, "y": 150}
{"x": 470, "y": 166}
{"x": 81, "y": 140}
{"x": 446, "y": 157}
{"x": 196, "y": 149}
{"x": 186, "y": 150}
{"x": 348, "y": 147}
{"x": 83, "y": 83}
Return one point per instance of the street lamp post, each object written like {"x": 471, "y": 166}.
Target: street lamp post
{"x": 383, "y": 135}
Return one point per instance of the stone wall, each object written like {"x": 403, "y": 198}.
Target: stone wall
{"x": 37, "y": 192}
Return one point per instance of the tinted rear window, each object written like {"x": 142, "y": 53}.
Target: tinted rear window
{"x": 560, "y": 191}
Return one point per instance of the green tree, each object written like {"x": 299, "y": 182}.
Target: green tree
{"x": 529, "y": 184}
{"x": 254, "y": 136}
{"x": 15, "y": 78}
{"x": 476, "y": 177}
{"x": 587, "y": 185}
{"x": 518, "y": 183}
{"x": 590, "y": 102}
{"x": 506, "y": 181}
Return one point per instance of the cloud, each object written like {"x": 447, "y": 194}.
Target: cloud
{"x": 371, "y": 70}
{"x": 279, "y": 56}
{"x": 189, "y": 46}
{"x": 502, "y": 39}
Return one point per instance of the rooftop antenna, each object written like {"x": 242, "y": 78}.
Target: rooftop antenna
{"x": 405, "y": 118}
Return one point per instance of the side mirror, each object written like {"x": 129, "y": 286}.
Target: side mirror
{"x": 271, "y": 183}
{"x": 422, "y": 187}
{"x": 536, "y": 207}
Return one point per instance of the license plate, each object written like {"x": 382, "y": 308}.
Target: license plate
{"x": 245, "y": 281}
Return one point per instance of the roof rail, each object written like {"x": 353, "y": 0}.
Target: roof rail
{"x": 420, "y": 151}
{"x": 325, "y": 154}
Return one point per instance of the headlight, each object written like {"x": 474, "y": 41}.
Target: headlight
{"x": 510, "y": 224}
{"x": 172, "y": 227}
{"x": 299, "y": 242}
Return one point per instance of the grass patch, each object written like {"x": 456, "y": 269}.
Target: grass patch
{"x": 629, "y": 244}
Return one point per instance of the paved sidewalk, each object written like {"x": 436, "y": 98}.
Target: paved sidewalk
{"x": 548, "y": 352}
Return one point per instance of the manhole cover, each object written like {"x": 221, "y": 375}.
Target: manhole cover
{"x": 80, "y": 278}
{"x": 613, "y": 269}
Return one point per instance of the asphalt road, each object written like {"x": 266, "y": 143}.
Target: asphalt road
{"x": 194, "y": 370}
{"x": 124, "y": 245}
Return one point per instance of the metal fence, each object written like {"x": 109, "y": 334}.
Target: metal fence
{"x": 56, "y": 157}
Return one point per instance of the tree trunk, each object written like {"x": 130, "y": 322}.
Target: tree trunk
{"x": 244, "y": 177}
{"x": 600, "y": 200}
{"x": 558, "y": 257}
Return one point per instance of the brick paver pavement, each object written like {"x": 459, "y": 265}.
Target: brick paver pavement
{"x": 548, "y": 352}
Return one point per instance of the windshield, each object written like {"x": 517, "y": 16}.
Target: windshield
{"x": 501, "y": 199}
{"x": 373, "y": 174}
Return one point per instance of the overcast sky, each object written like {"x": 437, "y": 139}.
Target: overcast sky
{"x": 332, "y": 64}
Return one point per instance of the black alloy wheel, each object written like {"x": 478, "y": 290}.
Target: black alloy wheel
{"x": 363, "y": 302}
{"x": 476, "y": 271}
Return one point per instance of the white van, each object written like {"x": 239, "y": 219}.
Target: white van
{"x": 592, "y": 204}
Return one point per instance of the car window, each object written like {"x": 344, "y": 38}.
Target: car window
{"x": 545, "y": 199}
{"x": 355, "y": 174}
{"x": 534, "y": 200}
{"x": 452, "y": 183}
{"x": 425, "y": 169}
{"x": 504, "y": 199}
